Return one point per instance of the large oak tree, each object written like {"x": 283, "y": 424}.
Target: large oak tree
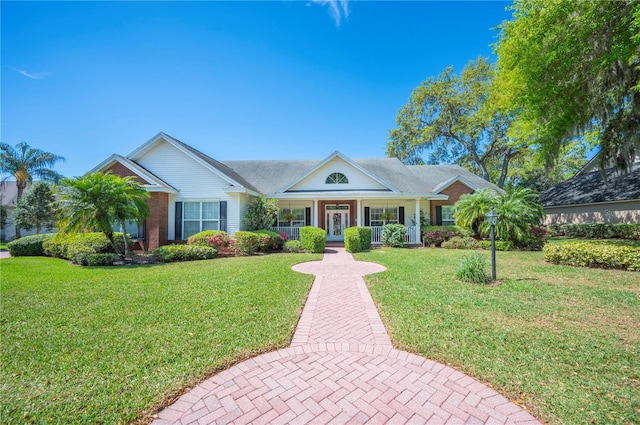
{"x": 450, "y": 118}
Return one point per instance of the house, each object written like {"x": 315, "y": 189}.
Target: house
{"x": 590, "y": 198}
{"x": 191, "y": 191}
{"x": 9, "y": 199}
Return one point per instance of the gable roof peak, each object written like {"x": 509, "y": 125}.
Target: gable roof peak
{"x": 351, "y": 162}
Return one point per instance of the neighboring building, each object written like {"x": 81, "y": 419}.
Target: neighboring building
{"x": 9, "y": 194}
{"x": 191, "y": 191}
{"x": 588, "y": 198}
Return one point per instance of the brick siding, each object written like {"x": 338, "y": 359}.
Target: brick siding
{"x": 454, "y": 192}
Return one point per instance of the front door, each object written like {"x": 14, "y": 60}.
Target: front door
{"x": 337, "y": 220}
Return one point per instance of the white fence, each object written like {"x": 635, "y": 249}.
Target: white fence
{"x": 293, "y": 233}
{"x": 412, "y": 236}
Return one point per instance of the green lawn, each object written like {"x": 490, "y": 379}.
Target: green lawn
{"x": 107, "y": 345}
{"x": 563, "y": 341}
{"x": 3, "y": 246}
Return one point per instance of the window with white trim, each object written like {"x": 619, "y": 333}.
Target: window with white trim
{"x": 447, "y": 215}
{"x": 199, "y": 216}
{"x": 298, "y": 215}
{"x": 378, "y": 215}
{"x": 337, "y": 178}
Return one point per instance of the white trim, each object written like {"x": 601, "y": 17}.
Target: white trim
{"x": 349, "y": 195}
{"x": 458, "y": 178}
{"x": 236, "y": 189}
{"x": 349, "y": 161}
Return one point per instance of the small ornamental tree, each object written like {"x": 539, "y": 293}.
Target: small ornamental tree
{"x": 261, "y": 214}
{"x": 36, "y": 209}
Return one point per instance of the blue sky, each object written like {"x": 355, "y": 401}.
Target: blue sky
{"x": 236, "y": 80}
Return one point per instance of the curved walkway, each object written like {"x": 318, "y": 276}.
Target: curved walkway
{"x": 341, "y": 369}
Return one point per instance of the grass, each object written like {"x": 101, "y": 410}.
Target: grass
{"x": 110, "y": 345}
{"x": 3, "y": 246}
{"x": 562, "y": 341}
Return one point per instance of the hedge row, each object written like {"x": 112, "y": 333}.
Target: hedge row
{"x": 66, "y": 245}
{"x": 29, "y": 245}
{"x": 593, "y": 254}
{"x": 171, "y": 253}
{"x": 597, "y": 230}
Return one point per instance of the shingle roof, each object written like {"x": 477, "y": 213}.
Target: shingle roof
{"x": 269, "y": 176}
{"x": 229, "y": 172}
{"x": 591, "y": 188}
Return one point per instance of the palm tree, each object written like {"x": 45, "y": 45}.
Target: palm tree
{"x": 25, "y": 163}
{"x": 518, "y": 210}
{"x": 471, "y": 209}
{"x": 98, "y": 200}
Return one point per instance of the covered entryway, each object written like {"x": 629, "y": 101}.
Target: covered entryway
{"x": 336, "y": 220}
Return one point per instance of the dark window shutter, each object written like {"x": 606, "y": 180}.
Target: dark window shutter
{"x": 401, "y": 215}
{"x": 367, "y": 216}
{"x": 223, "y": 216}
{"x": 178, "y": 223}
{"x": 307, "y": 216}
{"x": 438, "y": 215}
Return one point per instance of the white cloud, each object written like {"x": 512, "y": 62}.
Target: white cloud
{"x": 337, "y": 8}
{"x": 32, "y": 75}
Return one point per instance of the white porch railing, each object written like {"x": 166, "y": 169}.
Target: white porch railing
{"x": 293, "y": 233}
{"x": 412, "y": 235}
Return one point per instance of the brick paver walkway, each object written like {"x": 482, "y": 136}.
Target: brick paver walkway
{"x": 341, "y": 369}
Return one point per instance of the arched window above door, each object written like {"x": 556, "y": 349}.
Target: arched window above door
{"x": 337, "y": 178}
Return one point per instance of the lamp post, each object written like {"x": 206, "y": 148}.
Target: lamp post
{"x": 493, "y": 220}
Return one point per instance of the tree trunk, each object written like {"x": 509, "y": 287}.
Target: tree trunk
{"x": 124, "y": 236}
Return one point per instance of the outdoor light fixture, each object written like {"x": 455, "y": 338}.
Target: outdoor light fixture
{"x": 492, "y": 217}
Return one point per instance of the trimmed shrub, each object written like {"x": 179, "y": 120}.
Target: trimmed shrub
{"x": 215, "y": 238}
{"x": 269, "y": 240}
{"x": 537, "y": 239}
{"x": 172, "y": 253}
{"x": 364, "y": 233}
{"x": 313, "y": 239}
{"x": 85, "y": 257}
{"x": 436, "y": 235}
{"x": 593, "y": 254}
{"x": 500, "y": 245}
{"x": 247, "y": 243}
{"x": 63, "y": 245}
{"x": 471, "y": 269}
{"x": 29, "y": 245}
{"x": 393, "y": 235}
{"x": 597, "y": 230}
{"x": 460, "y": 243}
{"x": 352, "y": 240}
{"x": 293, "y": 246}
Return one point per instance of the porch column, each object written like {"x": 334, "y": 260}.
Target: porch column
{"x": 418, "y": 231}
{"x": 315, "y": 213}
{"x": 359, "y": 209}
